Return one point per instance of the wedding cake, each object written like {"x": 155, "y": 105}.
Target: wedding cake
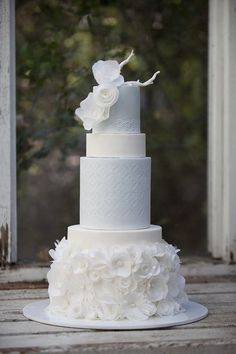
{"x": 114, "y": 265}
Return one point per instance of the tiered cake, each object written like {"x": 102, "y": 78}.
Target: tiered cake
{"x": 114, "y": 265}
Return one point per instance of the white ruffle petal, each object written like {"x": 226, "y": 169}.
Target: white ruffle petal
{"x": 90, "y": 112}
{"x": 158, "y": 289}
{"x": 106, "y": 71}
{"x": 167, "y": 308}
{"x": 119, "y": 81}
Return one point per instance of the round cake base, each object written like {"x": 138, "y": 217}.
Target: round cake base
{"x": 193, "y": 312}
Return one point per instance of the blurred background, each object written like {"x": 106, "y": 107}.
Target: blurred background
{"x": 57, "y": 42}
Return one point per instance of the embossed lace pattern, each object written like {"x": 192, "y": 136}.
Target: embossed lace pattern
{"x": 115, "y": 193}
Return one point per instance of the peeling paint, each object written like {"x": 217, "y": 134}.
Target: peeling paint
{"x": 4, "y": 230}
{"x": 232, "y": 260}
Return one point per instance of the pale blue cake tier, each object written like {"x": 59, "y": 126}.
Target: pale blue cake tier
{"x": 125, "y": 114}
{"x": 115, "y": 193}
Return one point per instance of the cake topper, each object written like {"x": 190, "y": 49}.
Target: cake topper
{"x": 96, "y": 106}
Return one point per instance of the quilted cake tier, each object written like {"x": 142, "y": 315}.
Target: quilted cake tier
{"x": 115, "y": 193}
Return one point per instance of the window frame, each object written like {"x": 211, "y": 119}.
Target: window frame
{"x": 8, "y": 209}
{"x": 221, "y": 127}
{"x": 221, "y": 130}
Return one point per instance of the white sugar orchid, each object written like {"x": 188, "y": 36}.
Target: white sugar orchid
{"x": 108, "y": 71}
{"x": 96, "y": 107}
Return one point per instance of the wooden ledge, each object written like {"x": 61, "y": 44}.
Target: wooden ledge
{"x": 211, "y": 283}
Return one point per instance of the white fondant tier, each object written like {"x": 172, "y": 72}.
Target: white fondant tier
{"x": 132, "y": 281}
{"x": 124, "y": 116}
{"x": 86, "y": 238}
{"x": 115, "y": 193}
{"x": 115, "y": 145}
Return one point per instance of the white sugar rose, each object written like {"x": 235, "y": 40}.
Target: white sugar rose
{"x": 170, "y": 258}
{"x": 91, "y": 113}
{"x": 78, "y": 286}
{"x": 167, "y": 308}
{"x": 137, "y": 307}
{"x": 105, "y": 292}
{"x": 57, "y": 278}
{"x": 148, "y": 267}
{"x": 176, "y": 284}
{"x": 135, "y": 253}
{"x": 105, "y": 95}
{"x": 62, "y": 250}
{"x": 134, "y": 282}
{"x": 181, "y": 298}
{"x": 125, "y": 286}
{"x": 82, "y": 303}
{"x": 109, "y": 312}
{"x": 76, "y": 310}
{"x": 58, "y": 305}
{"x": 107, "y": 71}
{"x": 158, "y": 289}
{"x": 160, "y": 248}
{"x": 120, "y": 263}
{"x": 80, "y": 263}
{"x": 94, "y": 275}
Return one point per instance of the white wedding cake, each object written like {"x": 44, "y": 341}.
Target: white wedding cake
{"x": 114, "y": 265}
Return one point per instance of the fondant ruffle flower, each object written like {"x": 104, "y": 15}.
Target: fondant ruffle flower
{"x": 117, "y": 282}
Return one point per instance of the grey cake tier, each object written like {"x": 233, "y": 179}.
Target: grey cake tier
{"x": 125, "y": 114}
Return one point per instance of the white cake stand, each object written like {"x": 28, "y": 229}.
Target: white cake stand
{"x": 193, "y": 312}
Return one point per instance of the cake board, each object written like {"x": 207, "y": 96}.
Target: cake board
{"x": 36, "y": 311}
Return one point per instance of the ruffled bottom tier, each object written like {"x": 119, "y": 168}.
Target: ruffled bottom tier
{"x": 133, "y": 280}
